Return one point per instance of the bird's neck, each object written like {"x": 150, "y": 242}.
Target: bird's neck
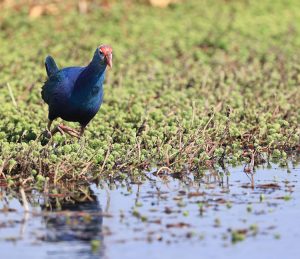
{"x": 91, "y": 75}
{"x": 96, "y": 67}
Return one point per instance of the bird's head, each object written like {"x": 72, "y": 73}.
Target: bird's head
{"x": 106, "y": 51}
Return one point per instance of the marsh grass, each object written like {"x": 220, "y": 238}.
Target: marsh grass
{"x": 193, "y": 85}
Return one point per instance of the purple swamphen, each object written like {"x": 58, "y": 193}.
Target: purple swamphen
{"x": 75, "y": 93}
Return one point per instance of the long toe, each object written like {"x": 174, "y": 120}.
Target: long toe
{"x": 57, "y": 129}
{"x": 69, "y": 131}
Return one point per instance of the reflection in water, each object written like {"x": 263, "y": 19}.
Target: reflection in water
{"x": 76, "y": 224}
{"x": 179, "y": 215}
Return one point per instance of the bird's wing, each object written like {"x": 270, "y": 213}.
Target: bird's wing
{"x": 61, "y": 83}
{"x": 51, "y": 86}
{"x": 51, "y": 66}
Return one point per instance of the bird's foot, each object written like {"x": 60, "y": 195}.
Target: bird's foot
{"x": 47, "y": 133}
{"x": 45, "y": 137}
{"x": 65, "y": 129}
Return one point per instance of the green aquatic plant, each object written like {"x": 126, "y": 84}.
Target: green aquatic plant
{"x": 237, "y": 236}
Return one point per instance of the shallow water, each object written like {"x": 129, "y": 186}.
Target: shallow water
{"x": 162, "y": 218}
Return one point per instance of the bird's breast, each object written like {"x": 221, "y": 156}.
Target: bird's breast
{"x": 95, "y": 90}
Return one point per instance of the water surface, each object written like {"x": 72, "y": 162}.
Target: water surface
{"x": 217, "y": 215}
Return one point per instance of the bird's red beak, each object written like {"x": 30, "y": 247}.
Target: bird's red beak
{"x": 108, "y": 58}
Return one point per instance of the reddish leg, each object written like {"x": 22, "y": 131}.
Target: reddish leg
{"x": 82, "y": 128}
{"x": 49, "y": 125}
{"x": 65, "y": 129}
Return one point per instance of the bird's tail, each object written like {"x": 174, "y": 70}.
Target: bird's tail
{"x": 51, "y": 66}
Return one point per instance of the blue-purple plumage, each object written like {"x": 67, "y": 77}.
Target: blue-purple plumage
{"x": 75, "y": 93}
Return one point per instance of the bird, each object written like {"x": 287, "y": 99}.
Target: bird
{"x": 75, "y": 94}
